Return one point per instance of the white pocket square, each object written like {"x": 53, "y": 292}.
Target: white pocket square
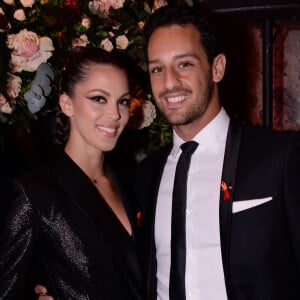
{"x": 246, "y": 204}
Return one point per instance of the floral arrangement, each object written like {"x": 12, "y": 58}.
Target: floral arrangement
{"x": 35, "y": 36}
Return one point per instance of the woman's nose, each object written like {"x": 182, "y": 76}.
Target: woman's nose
{"x": 114, "y": 112}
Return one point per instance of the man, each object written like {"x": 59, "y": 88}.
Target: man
{"x": 243, "y": 207}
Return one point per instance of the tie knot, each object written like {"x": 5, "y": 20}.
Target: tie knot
{"x": 189, "y": 147}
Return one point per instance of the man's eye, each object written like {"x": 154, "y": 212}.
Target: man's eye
{"x": 125, "y": 102}
{"x": 185, "y": 64}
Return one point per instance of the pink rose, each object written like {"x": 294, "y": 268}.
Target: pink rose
{"x": 141, "y": 24}
{"x": 4, "y": 105}
{"x": 9, "y": 2}
{"x": 100, "y": 7}
{"x": 122, "y": 42}
{"x": 25, "y": 43}
{"x": 107, "y": 45}
{"x": 86, "y": 23}
{"x": 27, "y": 3}
{"x": 28, "y": 50}
{"x": 19, "y": 15}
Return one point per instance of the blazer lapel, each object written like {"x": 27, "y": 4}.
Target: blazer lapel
{"x": 95, "y": 209}
{"x": 227, "y": 191}
{"x": 148, "y": 191}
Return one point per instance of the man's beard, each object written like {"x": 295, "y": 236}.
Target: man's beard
{"x": 197, "y": 110}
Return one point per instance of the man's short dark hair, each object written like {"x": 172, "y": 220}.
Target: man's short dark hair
{"x": 184, "y": 15}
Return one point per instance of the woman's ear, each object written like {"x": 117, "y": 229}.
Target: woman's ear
{"x": 66, "y": 105}
{"x": 218, "y": 67}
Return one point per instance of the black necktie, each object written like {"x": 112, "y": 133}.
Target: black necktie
{"x": 178, "y": 239}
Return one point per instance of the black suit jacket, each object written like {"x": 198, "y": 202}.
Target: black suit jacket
{"x": 56, "y": 228}
{"x": 260, "y": 245}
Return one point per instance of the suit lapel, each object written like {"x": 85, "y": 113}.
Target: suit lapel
{"x": 85, "y": 195}
{"x": 228, "y": 180}
{"x": 154, "y": 170}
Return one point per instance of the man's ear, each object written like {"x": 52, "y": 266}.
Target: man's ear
{"x": 66, "y": 105}
{"x": 218, "y": 67}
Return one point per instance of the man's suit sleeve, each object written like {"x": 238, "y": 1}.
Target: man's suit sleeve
{"x": 17, "y": 235}
{"x": 292, "y": 194}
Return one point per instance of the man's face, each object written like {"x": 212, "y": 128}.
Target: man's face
{"x": 181, "y": 76}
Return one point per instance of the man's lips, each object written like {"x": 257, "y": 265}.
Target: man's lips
{"x": 175, "y": 99}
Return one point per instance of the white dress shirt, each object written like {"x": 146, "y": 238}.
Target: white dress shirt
{"x": 204, "y": 271}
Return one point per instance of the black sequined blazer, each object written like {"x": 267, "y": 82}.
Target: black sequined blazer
{"x": 55, "y": 229}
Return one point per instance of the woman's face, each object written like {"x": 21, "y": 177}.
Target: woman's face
{"x": 99, "y": 109}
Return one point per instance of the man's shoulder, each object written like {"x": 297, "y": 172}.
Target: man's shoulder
{"x": 260, "y": 131}
{"x": 258, "y": 137}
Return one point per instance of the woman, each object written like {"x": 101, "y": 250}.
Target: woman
{"x": 69, "y": 225}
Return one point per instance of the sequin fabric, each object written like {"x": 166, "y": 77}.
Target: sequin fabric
{"x": 64, "y": 236}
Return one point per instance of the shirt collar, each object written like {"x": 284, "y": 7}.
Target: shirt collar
{"x": 211, "y": 137}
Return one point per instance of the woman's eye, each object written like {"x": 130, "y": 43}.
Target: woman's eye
{"x": 156, "y": 70}
{"x": 99, "y": 99}
{"x": 125, "y": 102}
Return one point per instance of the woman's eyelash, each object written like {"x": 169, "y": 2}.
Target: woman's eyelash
{"x": 97, "y": 98}
{"x": 125, "y": 102}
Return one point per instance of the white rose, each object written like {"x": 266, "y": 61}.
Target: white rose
{"x": 158, "y": 3}
{"x": 117, "y": 3}
{"x": 19, "y": 15}
{"x": 122, "y": 42}
{"x": 81, "y": 41}
{"x": 2, "y": 99}
{"x": 94, "y": 7}
{"x": 27, "y": 3}
{"x": 149, "y": 112}
{"x": 6, "y": 108}
{"x": 13, "y": 85}
{"x": 107, "y": 45}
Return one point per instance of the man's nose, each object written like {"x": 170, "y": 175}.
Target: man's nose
{"x": 171, "y": 79}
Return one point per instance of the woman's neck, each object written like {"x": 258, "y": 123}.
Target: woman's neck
{"x": 90, "y": 162}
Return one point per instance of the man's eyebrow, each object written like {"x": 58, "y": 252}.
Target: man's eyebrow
{"x": 179, "y": 56}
